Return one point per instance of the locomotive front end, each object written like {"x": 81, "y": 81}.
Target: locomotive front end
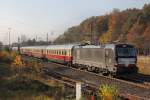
{"x": 126, "y": 58}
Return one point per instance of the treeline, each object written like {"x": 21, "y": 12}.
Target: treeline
{"x": 131, "y": 26}
{"x": 31, "y": 42}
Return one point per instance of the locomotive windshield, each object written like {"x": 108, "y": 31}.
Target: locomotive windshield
{"x": 126, "y": 52}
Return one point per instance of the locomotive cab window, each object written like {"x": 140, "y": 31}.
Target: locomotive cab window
{"x": 126, "y": 52}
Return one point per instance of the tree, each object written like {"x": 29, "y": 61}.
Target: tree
{"x": 131, "y": 19}
{"x": 1, "y": 44}
{"x": 135, "y": 35}
{"x": 145, "y": 16}
{"x": 146, "y": 33}
{"x": 146, "y": 36}
{"x": 23, "y": 38}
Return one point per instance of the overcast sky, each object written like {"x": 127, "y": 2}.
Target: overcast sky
{"x": 38, "y": 17}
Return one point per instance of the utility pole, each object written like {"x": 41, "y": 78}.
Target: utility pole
{"x": 36, "y": 38}
{"x": 51, "y": 37}
{"x": 9, "y": 37}
{"x": 19, "y": 45}
{"x": 91, "y": 30}
{"x": 47, "y": 38}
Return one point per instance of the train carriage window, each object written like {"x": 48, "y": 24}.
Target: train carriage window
{"x": 59, "y": 52}
{"x": 62, "y": 53}
{"x": 65, "y": 52}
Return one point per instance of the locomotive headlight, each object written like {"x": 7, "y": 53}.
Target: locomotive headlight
{"x": 126, "y": 63}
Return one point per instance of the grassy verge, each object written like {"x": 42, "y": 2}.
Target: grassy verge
{"x": 144, "y": 64}
{"x": 24, "y": 82}
{"x": 16, "y": 87}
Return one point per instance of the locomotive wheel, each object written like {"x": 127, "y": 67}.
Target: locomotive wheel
{"x": 105, "y": 73}
{"x": 69, "y": 64}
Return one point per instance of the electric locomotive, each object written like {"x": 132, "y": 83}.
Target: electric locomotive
{"x": 107, "y": 59}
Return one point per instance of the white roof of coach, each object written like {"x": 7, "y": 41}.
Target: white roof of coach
{"x": 34, "y": 47}
{"x": 14, "y": 48}
{"x": 89, "y": 46}
{"x": 67, "y": 46}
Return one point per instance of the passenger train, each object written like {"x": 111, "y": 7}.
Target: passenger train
{"x": 108, "y": 59}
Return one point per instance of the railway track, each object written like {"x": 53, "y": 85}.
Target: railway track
{"x": 126, "y": 89}
{"x": 137, "y": 78}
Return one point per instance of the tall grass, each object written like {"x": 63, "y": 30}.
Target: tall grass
{"x": 144, "y": 64}
{"x": 7, "y": 56}
{"x": 108, "y": 92}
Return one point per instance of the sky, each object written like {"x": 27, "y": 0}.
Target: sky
{"x": 36, "y": 18}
